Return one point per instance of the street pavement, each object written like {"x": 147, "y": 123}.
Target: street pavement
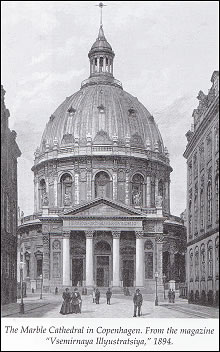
{"x": 121, "y": 307}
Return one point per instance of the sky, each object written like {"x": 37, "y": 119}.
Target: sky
{"x": 166, "y": 52}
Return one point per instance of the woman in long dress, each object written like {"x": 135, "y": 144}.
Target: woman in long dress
{"x": 65, "y": 308}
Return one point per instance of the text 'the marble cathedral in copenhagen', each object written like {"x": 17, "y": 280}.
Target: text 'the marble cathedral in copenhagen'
{"x": 101, "y": 193}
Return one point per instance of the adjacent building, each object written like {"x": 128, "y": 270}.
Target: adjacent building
{"x": 202, "y": 154}
{"x": 9, "y": 154}
{"x": 102, "y": 192}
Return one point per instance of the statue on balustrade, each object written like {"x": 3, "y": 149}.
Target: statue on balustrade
{"x": 67, "y": 198}
{"x": 159, "y": 201}
{"x": 45, "y": 200}
{"x": 137, "y": 196}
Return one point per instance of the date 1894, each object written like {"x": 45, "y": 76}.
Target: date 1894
{"x": 162, "y": 341}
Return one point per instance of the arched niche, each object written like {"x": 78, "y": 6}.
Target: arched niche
{"x": 102, "y": 185}
{"x": 137, "y": 190}
{"x": 66, "y": 189}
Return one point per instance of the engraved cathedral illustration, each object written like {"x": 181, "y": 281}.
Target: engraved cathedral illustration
{"x": 101, "y": 193}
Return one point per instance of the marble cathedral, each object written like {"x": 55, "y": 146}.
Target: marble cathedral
{"x": 102, "y": 193}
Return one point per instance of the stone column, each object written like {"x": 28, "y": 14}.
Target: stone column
{"x": 116, "y": 258}
{"x": 76, "y": 188}
{"x": 89, "y": 258}
{"x": 98, "y": 58}
{"x": 139, "y": 258}
{"x": 36, "y": 205}
{"x": 104, "y": 64}
{"x": 55, "y": 192}
{"x": 156, "y": 189}
{"x": 89, "y": 184}
{"x": 115, "y": 184}
{"x": 148, "y": 195}
{"x": 46, "y": 259}
{"x": 159, "y": 264}
{"x": 66, "y": 258}
{"x": 127, "y": 200}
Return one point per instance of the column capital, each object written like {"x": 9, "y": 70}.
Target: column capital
{"x": 66, "y": 233}
{"x": 89, "y": 233}
{"x": 116, "y": 234}
{"x": 159, "y": 238}
{"x": 139, "y": 234}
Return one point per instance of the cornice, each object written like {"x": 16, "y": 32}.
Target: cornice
{"x": 209, "y": 116}
{"x": 203, "y": 237}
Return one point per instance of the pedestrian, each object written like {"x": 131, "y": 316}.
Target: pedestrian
{"x": 97, "y": 296}
{"x": 93, "y": 296}
{"x": 76, "y": 302}
{"x": 108, "y": 295}
{"x": 65, "y": 308}
{"x": 169, "y": 295}
{"x": 173, "y": 296}
{"x": 138, "y": 300}
{"x": 56, "y": 291}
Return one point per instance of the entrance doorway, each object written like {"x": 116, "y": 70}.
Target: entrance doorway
{"x": 102, "y": 271}
{"x": 128, "y": 273}
{"x": 77, "y": 271}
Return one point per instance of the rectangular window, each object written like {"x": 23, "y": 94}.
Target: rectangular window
{"x": 149, "y": 265}
{"x": 56, "y": 264}
{"x": 39, "y": 267}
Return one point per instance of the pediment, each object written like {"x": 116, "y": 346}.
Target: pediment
{"x": 103, "y": 207}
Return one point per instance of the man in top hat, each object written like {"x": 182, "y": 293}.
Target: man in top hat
{"x": 138, "y": 300}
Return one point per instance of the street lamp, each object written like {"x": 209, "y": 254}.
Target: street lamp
{"x": 164, "y": 281}
{"x": 21, "y": 306}
{"x": 41, "y": 286}
{"x": 156, "y": 298}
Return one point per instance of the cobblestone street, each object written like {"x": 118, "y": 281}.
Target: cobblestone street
{"x": 121, "y": 307}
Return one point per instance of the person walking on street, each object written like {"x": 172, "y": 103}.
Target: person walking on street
{"x": 173, "y": 296}
{"x": 108, "y": 295}
{"x": 65, "y": 308}
{"x": 76, "y": 302}
{"x": 169, "y": 295}
{"x": 138, "y": 300}
{"x": 97, "y": 296}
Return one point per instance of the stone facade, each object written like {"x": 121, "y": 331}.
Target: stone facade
{"x": 202, "y": 154}
{"x": 9, "y": 154}
{"x": 102, "y": 191}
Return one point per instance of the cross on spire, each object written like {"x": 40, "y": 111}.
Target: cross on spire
{"x": 101, "y": 5}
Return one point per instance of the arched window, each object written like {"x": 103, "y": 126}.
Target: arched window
{"x": 137, "y": 190}
{"x": 161, "y": 188}
{"x": 202, "y": 209}
{"x": 217, "y": 256}
{"x": 197, "y": 263}
{"x": 217, "y": 196}
{"x": 149, "y": 259}
{"x": 209, "y": 200}
{"x": 102, "y": 185}
{"x": 66, "y": 190}
{"x": 43, "y": 193}
{"x": 103, "y": 247}
{"x": 202, "y": 258}
{"x": 210, "y": 259}
{"x": 191, "y": 264}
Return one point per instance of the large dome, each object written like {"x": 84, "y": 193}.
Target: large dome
{"x": 102, "y": 110}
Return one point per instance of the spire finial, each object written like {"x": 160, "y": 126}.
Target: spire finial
{"x": 101, "y": 5}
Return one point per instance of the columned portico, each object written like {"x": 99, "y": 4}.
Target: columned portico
{"x": 89, "y": 258}
{"x": 139, "y": 259}
{"x": 116, "y": 258}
